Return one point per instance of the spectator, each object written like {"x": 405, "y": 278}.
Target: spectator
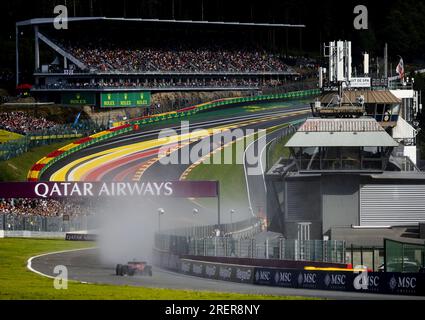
{"x": 183, "y": 58}
{"x": 44, "y": 207}
{"x": 21, "y": 122}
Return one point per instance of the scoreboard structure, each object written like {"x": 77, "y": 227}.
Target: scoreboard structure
{"x": 78, "y": 98}
{"x": 108, "y": 99}
{"x": 125, "y": 99}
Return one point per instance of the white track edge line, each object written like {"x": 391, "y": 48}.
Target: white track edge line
{"x": 30, "y": 268}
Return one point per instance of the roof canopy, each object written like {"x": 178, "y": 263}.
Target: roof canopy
{"x": 39, "y": 21}
{"x": 370, "y": 96}
{"x": 360, "y": 132}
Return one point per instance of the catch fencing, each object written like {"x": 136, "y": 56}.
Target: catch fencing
{"x": 33, "y": 139}
{"x": 14, "y": 222}
{"x": 281, "y": 249}
{"x": 241, "y": 240}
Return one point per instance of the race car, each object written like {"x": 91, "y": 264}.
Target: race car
{"x": 134, "y": 267}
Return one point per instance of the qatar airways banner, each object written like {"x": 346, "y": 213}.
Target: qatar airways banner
{"x": 176, "y": 189}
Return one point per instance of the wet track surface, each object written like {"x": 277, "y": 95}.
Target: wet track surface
{"x": 150, "y": 133}
{"x": 85, "y": 266}
{"x": 160, "y": 172}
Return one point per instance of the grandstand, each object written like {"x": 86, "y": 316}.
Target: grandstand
{"x": 99, "y": 57}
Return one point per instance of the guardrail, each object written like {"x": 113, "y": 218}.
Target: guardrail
{"x": 296, "y": 275}
{"x": 127, "y": 126}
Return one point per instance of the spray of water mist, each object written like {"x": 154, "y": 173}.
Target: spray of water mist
{"x": 127, "y": 226}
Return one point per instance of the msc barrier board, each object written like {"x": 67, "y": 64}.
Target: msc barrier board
{"x": 125, "y": 99}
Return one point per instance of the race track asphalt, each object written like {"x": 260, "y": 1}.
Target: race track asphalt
{"x": 85, "y": 266}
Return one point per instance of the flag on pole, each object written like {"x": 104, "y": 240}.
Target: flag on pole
{"x": 76, "y": 119}
{"x": 400, "y": 68}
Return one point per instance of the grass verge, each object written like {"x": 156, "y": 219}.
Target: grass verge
{"x": 17, "y": 282}
{"x": 278, "y": 150}
{"x": 16, "y": 169}
{"x": 232, "y": 176}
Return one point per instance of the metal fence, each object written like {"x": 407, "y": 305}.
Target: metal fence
{"x": 369, "y": 256}
{"x": 13, "y": 222}
{"x": 279, "y": 248}
{"x": 240, "y": 229}
{"x": 240, "y": 240}
{"x": 33, "y": 139}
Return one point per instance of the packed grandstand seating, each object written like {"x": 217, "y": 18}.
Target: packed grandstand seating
{"x": 22, "y": 122}
{"x": 175, "y": 58}
{"x": 43, "y": 207}
{"x": 223, "y": 82}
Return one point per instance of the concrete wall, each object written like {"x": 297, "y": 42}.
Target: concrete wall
{"x": 333, "y": 201}
{"x": 275, "y": 205}
{"x": 422, "y": 230}
{"x": 340, "y": 200}
{"x": 31, "y": 234}
{"x": 325, "y": 201}
{"x": 303, "y": 204}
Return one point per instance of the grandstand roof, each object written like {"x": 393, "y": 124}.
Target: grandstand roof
{"x": 370, "y": 96}
{"x": 39, "y": 21}
{"x": 317, "y": 132}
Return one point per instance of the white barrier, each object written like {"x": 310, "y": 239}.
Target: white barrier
{"x": 31, "y": 234}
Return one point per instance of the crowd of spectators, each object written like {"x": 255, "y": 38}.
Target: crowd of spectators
{"x": 221, "y": 82}
{"x": 22, "y": 122}
{"x": 175, "y": 58}
{"x": 43, "y": 207}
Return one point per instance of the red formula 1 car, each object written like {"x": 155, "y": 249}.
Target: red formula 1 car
{"x": 134, "y": 267}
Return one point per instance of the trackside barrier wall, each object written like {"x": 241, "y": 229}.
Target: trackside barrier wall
{"x": 32, "y": 234}
{"x": 124, "y": 127}
{"x": 371, "y": 282}
{"x": 34, "y": 223}
{"x": 362, "y": 282}
{"x": 217, "y": 271}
